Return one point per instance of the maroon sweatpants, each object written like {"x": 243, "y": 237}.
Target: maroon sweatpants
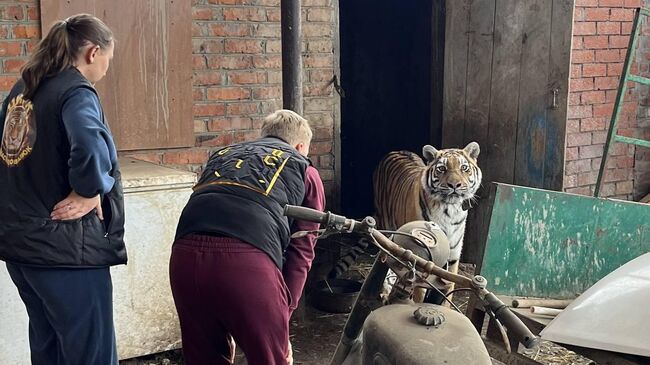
{"x": 224, "y": 287}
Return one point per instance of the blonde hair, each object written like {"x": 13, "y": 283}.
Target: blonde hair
{"x": 287, "y": 125}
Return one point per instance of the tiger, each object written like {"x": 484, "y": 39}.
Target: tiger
{"x": 408, "y": 189}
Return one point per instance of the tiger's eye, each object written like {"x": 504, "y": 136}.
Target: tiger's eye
{"x": 465, "y": 168}
{"x": 441, "y": 169}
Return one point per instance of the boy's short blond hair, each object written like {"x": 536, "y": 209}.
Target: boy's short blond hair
{"x": 287, "y": 125}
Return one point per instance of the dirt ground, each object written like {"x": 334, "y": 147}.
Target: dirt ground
{"x": 315, "y": 334}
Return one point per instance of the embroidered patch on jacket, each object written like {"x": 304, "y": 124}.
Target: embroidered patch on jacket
{"x": 19, "y": 134}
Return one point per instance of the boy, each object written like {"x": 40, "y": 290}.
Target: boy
{"x": 235, "y": 271}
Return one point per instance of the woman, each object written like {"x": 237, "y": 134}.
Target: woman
{"x": 61, "y": 204}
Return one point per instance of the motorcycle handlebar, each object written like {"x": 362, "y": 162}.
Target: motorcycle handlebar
{"x": 305, "y": 214}
{"x": 501, "y": 311}
{"x": 511, "y": 321}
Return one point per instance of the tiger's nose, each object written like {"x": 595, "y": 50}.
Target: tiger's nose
{"x": 456, "y": 186}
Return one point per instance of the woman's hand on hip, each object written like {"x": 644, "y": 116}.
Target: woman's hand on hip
{"x": 75, "y": 206}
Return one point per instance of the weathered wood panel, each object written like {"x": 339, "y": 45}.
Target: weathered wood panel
{"x": 455, "y": 79}
{"x": 548, "y": 244}
{"x": 533, "y": 94}
{"x": 147, "y": 93}
{"x": 503, "y": 61}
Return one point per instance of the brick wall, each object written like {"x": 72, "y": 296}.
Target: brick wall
{"x": 237, "y": 73}
{"x": 601, "y": 34}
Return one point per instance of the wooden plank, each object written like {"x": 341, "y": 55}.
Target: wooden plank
{"x": 548, "y": 244}
{"x": 477, "y": 105}
{"x": 455, "y": 78}
{"x": 506, "y": 75}
{"x": 558, "y": 81}
{"x": 147, "y": 93}
{"x": 533, "y": 94}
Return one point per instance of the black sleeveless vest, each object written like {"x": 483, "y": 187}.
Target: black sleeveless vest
{"x": 242, "y": 193}
{"x": 34, "y": 177}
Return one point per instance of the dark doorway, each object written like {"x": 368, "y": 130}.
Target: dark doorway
{"x": 391, "y": 72}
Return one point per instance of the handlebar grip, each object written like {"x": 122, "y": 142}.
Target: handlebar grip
{"x": 511, "y": 321}
{"x": 305, "y": 214}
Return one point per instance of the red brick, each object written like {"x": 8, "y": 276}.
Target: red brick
{"x": 12, "y": 12}
{"x": 579, "y": 111}
{"x": 603, "y": 110}
{"x": 593, "y": 97}
{"x": 606, "y": 83}
{"x": 320, "y": 46}
{"x": 199, "y": 63}
{"x": 571, "y": 153}
{"x": 318, "y": 90}
{"x": 619, "y": 41}
{"x": 220, "y": 140}
{"x": 574, "y": 98}
{"x": 614, "y": 69}
{"x": 198, "y": 94}
{"x": 27, "y": 31}
{"x": 576, "y": 71}
{"x": 273, "y": 46}
{"x": 269, "y": 2}
{"x": 624, "y": 187}
{"x": 208, "y": 110}
{"x": 274, "y": 77}
{"x": 599, "y": 137}
{"x": 612, "y": 3}
{"x": 267, "y": 30}
{"x": 228, "y": 93}
{"x": 203, "y": 13}
{"x": 316, "y": 2}
{"x": 33, "y": 13}
{"x": 609, "y": 28}
{"x": 586, "y": 3}
{"x": 581, "y": 84}
{"x": 570, "y": 181}
{"x": 587, "y": 178}
{"x": 185, "y": 157}
{"x": 591, "y": 151}
{"x": 593, "y": 124}
{"x": 318, "y": 61}
{"x": 578, "y": 139}
{"x": 577, "y": 166}
{"x": 320, "y": 148}
{"x": 594, "y": 69}
{"x": 230, "y": 62}
{"x": 632, "y": 3}
{"x": 609, "y": 55}
{"x": 10, "y": 49}
{"x": 596, "y": 14}
{"x": 207, "y": 46}
{"x": 577, "y": 43}
{"x": 573, "y": 126}
{"x": 273, "y": 15}
{"x": 246, "y": 14}
{"x": 596, "y": 42}
{"x": 208, "y": 78}
{"x": 267, "y": 61}
{"x": 319, "y": 15}
{"x": 582, "y": 56}
{"x": 148, "y": 157}
{"x": 219, "y": 125}
{"x": 241, "y": 136}
{"x": 200, "y": 126}
{"x": 584, "y": 190}
{"x": 198, "y": 30}
{"x": 246, "y": 77}
{"x": 622, "y": 15}
{"x": 243, "y": 46}
{"x": 317, "y": 30}
{"x": 13, "y": 65}
{"x": 242, "y": 108}
{"x": 578, "y": 14}
{"x": 584, "y": 28}
{"x": 267, "y": 92}
{"x": 230, "y": 29}
{"x": 626, "y": 27}
{"x": 7, "y": 82}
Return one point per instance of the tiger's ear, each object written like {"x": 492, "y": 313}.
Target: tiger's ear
{"x": 472, "y": 149}
{"x": 429, "y": 152}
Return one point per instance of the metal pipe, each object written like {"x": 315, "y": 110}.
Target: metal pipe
{"x": 291, "y": 55}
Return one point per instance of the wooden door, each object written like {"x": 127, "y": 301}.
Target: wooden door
{"x": 506, "y": 87}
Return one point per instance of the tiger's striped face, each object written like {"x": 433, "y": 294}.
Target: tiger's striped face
{"x": 452, "y": 175}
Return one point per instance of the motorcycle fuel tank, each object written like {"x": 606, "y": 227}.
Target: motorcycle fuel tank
{"x": 418, "y": 334}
